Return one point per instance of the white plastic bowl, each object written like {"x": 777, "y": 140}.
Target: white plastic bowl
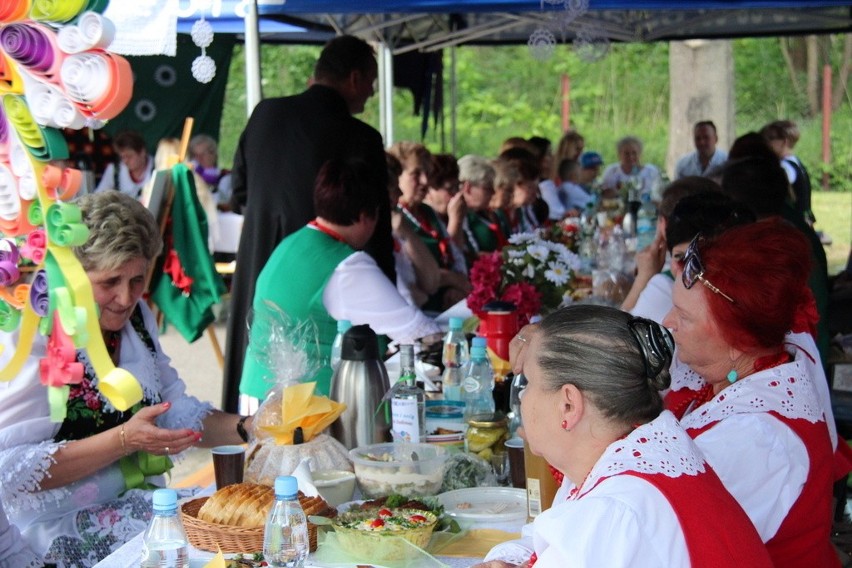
{"x": 335, "y": 486}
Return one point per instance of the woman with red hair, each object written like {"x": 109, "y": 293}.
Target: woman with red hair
{"x": 758, "y": 418}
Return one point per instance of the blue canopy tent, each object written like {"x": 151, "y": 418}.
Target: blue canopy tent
{"x": 427, "y": 26}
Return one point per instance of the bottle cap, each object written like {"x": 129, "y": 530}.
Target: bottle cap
{"x": 165, "y": 500}
{"x": 343, "y": 326}
{"x": 456, "y": 323}
{"x": 479, "y": 342}
{"x": 286, "y": 486}
{"x": 478, "y": 352}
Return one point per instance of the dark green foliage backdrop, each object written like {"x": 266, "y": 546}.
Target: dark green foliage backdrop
{"x": 503, "y": 91}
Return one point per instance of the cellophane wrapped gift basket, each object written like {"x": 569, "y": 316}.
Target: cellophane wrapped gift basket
{"x": 290, "y": 422}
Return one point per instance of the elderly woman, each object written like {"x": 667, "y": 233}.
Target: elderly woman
{"x": 134, "y": 168}
{"x": 428, "y": 226}
{"x": 320, "y": 273}
{"x": 735, "y": 299}
{"x": 636, "y": 491}
{"x": 70, "y": 486}
{"x": 629, "y": 170}
{"x": 204, "y": 153}
{"x": 482, "y": 232}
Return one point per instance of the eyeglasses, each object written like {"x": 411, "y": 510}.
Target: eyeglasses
{"x": 693, "y": 269}
{"x": 655, "y": 342}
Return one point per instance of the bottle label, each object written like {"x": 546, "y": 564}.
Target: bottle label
{"x": 534, "y": 496}
{"x": 471, "y": 385}
{"x": 406, "y": 421}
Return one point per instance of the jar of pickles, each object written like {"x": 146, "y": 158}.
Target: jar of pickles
{"x": 486, "y": 435}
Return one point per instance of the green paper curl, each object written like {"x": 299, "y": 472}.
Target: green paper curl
{"x": 10, "y": 318}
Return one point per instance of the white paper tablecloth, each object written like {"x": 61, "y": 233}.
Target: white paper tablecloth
{"x": 130, "y": 556}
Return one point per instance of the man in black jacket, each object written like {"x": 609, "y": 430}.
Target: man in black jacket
{"x": 282, "y": 148}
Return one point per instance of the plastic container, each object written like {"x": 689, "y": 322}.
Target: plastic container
{"x": 336, "y": 486}
{"x": 399, "y": 467}
{"x": 164, "y": 544}
{"x": 285, "y": 538}
{"x": 455, "y": 356}
{"x": 478, "y": 382}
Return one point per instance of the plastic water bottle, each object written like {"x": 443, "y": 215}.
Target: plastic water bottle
{"x": 285, "y": 539}
{"x": 646, "y": 223}
{"x": 456, "y": 355}
{"x": 617, "y": 249}
{"x": 478, "y": 382}
{"x": 588, "y": 227}
{"x": 336, "y": 346}
{"x": 164, "y": 544}
{"x": 408, "y": 405}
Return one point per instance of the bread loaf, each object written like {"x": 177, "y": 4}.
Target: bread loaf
{"x": 240, "y": 505}
{"x": 247, "y": 505}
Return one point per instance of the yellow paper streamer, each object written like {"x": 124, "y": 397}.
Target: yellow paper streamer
{"x": 29, "y": 324}
{"x": 120, "y": 388}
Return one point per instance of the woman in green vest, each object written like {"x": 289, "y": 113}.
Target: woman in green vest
{"x": 320, "y": 274}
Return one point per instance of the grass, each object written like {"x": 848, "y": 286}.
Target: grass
{"x": 833, "y": 212}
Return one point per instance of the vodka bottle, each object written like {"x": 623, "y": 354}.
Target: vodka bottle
{"x": 478, "y": 382}
{"x": 164, "y": 544}
{"x": 342, "y": 327}
{"x": 455, "y": 357}
{"x": 285, "y": 539}
{"x": 408, "y": 404}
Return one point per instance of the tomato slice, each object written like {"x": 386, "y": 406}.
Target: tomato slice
{"x": 417, "y": 519}
{"x": 377, "y": 523}
{"x": 384, "y": 513}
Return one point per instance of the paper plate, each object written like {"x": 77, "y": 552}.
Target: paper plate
{"x": 490, "y": 504}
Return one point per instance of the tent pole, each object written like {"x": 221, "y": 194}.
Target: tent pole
{"x": 252, "y": 42}
{"x": 386, "y": 93}
{"x": 453, "y": 102}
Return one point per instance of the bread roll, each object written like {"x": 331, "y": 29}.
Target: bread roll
{"x": 247, "y": 505}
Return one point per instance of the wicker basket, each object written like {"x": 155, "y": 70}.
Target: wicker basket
{"x": 229, "y": 539}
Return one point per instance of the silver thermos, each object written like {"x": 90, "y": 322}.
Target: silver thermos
{"x": 360, "y": 382}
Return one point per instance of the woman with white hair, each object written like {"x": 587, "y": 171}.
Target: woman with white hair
{"x": 629, "y": 170}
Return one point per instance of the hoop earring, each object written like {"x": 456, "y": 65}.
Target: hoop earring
{"x": 733, "y": 376}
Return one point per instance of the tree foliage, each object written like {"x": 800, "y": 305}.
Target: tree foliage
{"x": 503, "y": 92}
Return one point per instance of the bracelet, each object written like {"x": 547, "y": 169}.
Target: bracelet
{"x": 241, "y": 428}
{"x": 123, "y": 437}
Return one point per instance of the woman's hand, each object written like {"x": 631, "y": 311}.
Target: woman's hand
{"x": 518, "y": 346}
{"x": 141, "y": 433}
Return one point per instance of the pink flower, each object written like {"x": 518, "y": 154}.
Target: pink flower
{"x": 485, "y": 272}
{"x": 108, "y": 517}
{"x": 480, "y": 296}
{"x": 526, "y": 298}
{"x": 92, "y": 400}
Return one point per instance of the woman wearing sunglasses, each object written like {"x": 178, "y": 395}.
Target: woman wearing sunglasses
{"x": 757, "y": 416}
{"x": 635, "y": 490}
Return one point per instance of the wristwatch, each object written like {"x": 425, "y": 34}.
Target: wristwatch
{"x": 241, "y": 428}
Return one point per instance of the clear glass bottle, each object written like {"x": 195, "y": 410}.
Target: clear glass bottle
{"x": 285, "y": 539}
{"x": 478, "y": 382}
{"x": 164, "y": 544}
{"x": 408, "y": 405}
{"x": 456, "y": 355}
{"x": 646, "y": 223}
{"x": 342, "y": 327}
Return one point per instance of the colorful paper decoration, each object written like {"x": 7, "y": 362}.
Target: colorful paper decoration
{"x": 53, "y": 75}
